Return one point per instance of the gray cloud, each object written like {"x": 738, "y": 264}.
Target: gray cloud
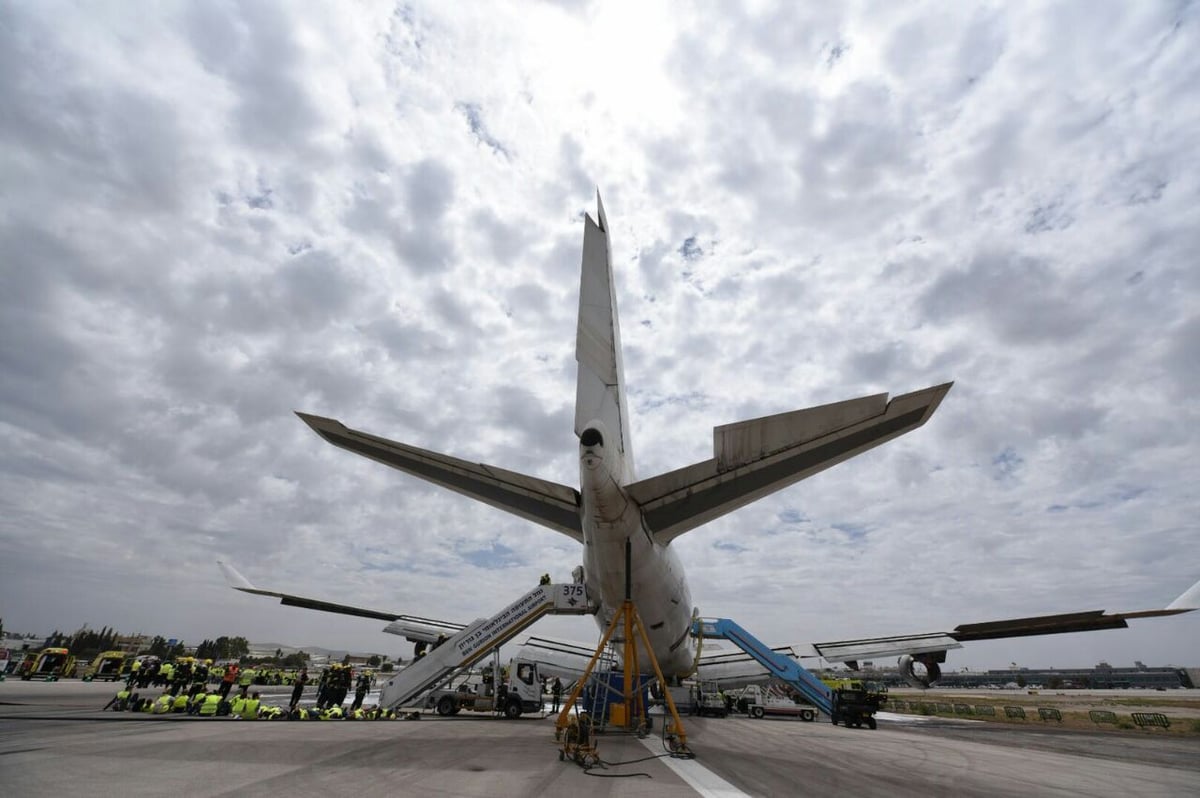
{"x": 215, "y": 217}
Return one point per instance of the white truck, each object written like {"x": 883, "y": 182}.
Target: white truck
{"x": 519, "y": 693}
{"x": 758, "y": 702}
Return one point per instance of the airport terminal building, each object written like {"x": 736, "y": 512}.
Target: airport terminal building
{"x": 1101, "y": 677}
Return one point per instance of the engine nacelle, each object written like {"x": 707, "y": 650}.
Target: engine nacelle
{"x": 920, "y": 670}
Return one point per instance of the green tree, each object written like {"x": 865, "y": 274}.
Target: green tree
{"x": 374, "y": 661}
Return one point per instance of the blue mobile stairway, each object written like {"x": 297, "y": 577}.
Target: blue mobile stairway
{"x": 780, "y": 667}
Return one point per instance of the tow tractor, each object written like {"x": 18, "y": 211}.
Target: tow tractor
{"x": 855, "y": 706}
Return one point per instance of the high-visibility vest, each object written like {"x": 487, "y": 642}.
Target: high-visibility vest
{"x": 250, "y": 709}
{"x": 235, "y": 706}
{"x": 247, "y": 677}
{"x": 180, "y": 703}
{"x": 163, "y": 704}
{"x": 209, "y": 707}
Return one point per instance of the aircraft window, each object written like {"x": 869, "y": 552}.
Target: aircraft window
{"x": 591, "y": 437}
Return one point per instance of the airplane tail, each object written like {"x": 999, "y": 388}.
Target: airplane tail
{"x": 600, "y": 386}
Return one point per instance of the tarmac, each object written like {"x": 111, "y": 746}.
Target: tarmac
{"x": 54, "y": 741}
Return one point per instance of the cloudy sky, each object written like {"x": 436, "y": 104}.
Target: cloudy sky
{"x": 213, "y": 214}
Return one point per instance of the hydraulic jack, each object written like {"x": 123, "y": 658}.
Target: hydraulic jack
{"x": 576, "y": 733}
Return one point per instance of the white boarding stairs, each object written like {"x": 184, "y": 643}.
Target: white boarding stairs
{"x": 480, "y": 637}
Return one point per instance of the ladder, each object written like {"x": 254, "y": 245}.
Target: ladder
{"x": 480, "y": 637}
{"x": 783, "y": 668}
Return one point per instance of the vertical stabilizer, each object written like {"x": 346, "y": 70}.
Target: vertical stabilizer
{"x": 600, "y": 386}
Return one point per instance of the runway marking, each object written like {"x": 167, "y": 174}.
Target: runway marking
{"x": 698, "y": 777}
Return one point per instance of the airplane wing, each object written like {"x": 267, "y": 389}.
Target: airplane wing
{"x": 752, "y": 459}
{"x": 930, "y": 648}
{"x": 731, "y": 667}
{"x": 538, "y": 500}
{"x": 411, "y": 627}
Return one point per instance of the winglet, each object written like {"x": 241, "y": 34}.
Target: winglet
{"x": 1190, "y": 600}
{"x": 239, "y": 582}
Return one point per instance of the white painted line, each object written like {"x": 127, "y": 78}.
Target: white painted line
{"x": 698, "y": 777}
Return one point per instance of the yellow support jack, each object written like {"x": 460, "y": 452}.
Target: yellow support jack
{"x": 578, "y": 740}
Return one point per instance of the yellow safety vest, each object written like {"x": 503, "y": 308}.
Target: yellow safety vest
{"x": 209, "y": 707}
{"x": 250, "y": 709}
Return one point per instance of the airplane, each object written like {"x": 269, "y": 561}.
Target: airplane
{"x": 751, "y": 459}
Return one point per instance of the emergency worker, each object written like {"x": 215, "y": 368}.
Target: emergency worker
{"x": 208, "y": 708}
{"x": 200, "y": 672}
{"x": 119, "y": 701}
{"x": 228, "y": 679}
{"x": 556, "y": 691}
{"x": 298, "y": 690}
{"x": 245, "y": 679}
{"x": 183, "y": 677}
{"x": 163, "y": 705}
{"x": 166, "y": 674}
{"x": 179, "y": 704}
{"x": 361, "y": 688}
{"x": 250, "y": 707}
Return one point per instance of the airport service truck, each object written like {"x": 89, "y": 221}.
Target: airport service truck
{"x": 514, "y": 693}
{"x": 854, "y": 703}
{"x": 758, "y": 702}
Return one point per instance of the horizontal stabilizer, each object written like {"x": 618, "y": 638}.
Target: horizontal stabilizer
{"x": 752, "y": 459}
{"x": 538, "y": 500}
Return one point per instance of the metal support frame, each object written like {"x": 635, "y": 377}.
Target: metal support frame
{"x": 579, "y": 745}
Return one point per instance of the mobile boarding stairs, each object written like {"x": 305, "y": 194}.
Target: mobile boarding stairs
{"x": 481, "y": 637}
{"x": 851, "y": 707}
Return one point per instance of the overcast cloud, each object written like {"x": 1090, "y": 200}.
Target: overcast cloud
{"x": 213, "y": 214}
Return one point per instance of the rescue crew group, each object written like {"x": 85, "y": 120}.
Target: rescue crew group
{"x": 186, "y": 690}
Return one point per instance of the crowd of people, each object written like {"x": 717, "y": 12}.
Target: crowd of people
{"x": 192, "y": 688}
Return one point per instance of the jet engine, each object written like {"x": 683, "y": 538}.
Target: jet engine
{"x": 921, "y": 670}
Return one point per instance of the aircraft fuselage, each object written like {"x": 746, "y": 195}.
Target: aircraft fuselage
{"x": 658, "y": 585}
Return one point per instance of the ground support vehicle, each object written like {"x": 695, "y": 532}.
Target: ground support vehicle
{"x": 106, "y": 666}
{"x": 856, "y": 706}
{"x": 50, "y": 664}
{"x": 457, "y": 654}
{"x": 706, "y": 700}
{"x": 516, "y": 695}
{"x": 759, "y": 702}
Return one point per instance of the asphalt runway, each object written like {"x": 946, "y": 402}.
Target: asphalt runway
{"x": 53, "y": 741}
